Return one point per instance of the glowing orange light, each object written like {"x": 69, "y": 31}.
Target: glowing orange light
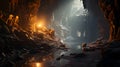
{"x": 39, "y": 25}
{"x": 38, "y": 64}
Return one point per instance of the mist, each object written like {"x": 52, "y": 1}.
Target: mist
{"x": 74, "y": 22}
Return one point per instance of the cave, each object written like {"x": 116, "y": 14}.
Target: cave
{"x": 59, "y": 33}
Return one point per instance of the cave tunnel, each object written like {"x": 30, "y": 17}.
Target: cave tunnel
{"x": 59, "y": 33}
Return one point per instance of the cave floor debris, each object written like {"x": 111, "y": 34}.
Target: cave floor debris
{"x": 89, "y": 60}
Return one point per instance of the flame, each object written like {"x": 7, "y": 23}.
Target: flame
{"x": 41, "y": 28}
{"x": 40, "y": 25}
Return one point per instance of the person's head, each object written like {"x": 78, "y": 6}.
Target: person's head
{"x": 11, "y": 16}
{"x": 17, "y": 17}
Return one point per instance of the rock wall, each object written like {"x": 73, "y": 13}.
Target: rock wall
{"x": 96, "y": 20}
{"x": 111, "y": 10}
{"x": 27, "y": 8}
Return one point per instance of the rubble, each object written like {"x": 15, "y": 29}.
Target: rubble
{"x": 18, "y": 44}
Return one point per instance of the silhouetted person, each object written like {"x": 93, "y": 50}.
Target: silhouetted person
{"x": 9, "y": 22}
{"x": 15, "y": 23}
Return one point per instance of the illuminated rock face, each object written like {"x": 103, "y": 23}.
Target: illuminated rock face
{"x": 111, "y": 10}
{"x": 22, "y": 8}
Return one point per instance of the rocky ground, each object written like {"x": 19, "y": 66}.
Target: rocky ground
{"x": 88, "y": 59}
{"x": 19, "y": 46}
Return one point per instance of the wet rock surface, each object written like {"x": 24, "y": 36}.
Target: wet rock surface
{"x": 111, "y": 55}
{"x": 89, "y": 59}
{"x": 17, "y": 47}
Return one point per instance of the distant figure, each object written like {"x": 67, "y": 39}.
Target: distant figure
{"x": 9, "y": 21}
{"x": 15, "y": 23}
{"x": 83, "y": 47}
